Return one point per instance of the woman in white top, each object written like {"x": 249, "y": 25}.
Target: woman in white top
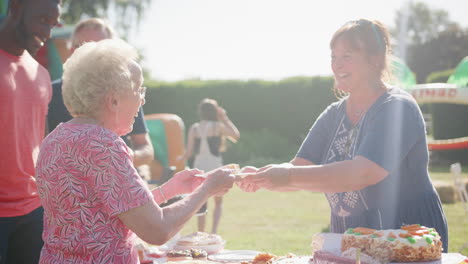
{"x": 206, "y": 140}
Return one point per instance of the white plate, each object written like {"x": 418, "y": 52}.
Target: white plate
{"x": 234, "y": 256}
{"x": 210, "y": 249}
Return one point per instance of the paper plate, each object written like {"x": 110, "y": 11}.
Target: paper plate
{"x": 234, "y": 256}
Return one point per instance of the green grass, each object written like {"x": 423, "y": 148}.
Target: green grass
{"x": 285, "y": 222}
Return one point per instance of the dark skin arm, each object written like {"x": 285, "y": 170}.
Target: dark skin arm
{"x": 143, "y": 152}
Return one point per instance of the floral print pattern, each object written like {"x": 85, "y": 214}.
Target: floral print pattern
{"x": 85, "y": 179}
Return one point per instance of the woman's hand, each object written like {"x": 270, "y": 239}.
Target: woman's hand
{"x": 268, "y": 177}
{"x": 184, "y": 182}
{"x": 248, "y": 169}
{"x": 219, "y": 182}
{"x": 245, "y": 185}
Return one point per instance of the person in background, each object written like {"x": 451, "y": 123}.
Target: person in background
{"x": 94, "y": 201}
{"x": 25, "y": 91}
{"x": 206, "y": 141}
{"x": 368, "y": 151}
{"x": 96, "y": 29}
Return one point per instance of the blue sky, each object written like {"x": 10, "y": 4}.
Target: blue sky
{"x": 254, "y": 39}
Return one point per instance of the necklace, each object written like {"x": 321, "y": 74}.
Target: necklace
{"x": 358, "y": 113}
{"x": 355, "y": 114}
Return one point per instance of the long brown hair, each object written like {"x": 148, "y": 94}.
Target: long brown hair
{"x": 369, "y": 36}
{"x": 208, "y": 110}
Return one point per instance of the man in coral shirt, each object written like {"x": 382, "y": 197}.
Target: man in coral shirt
{"x": 25, "y": 91}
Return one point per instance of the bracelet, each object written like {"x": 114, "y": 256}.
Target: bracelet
{"x": 162, "y": 194}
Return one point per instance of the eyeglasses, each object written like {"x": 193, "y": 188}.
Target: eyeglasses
{"x": 142, "y": 92}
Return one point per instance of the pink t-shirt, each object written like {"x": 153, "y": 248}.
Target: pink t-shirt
{"x": 85, "y": 178}
{"x": 25, "y": 92}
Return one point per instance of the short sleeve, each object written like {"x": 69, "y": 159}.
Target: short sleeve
{"x": 117, "y": 182}
{"x": 390, "y": 133}
{"x": 317, "y": 139}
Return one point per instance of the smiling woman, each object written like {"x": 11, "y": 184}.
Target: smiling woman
{"x": 368, "y": 151}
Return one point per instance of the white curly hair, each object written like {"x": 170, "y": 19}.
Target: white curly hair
{"x": 94, "y": 70}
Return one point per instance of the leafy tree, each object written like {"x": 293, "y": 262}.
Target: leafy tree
{"x": 130, "y": 11}
{"x": 419, "y": 24}
{"x": 441, "y": 53}
{"x": 428, "y": 40}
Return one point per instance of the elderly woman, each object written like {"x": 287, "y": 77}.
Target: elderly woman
{"x": 92, "y": 195}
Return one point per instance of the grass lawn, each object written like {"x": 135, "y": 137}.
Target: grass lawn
{"x": 285, "y": 222}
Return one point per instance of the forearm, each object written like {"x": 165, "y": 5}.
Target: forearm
{"x": 231, "y": 129}
{"x": 348, "y": 175}
{"x": 156, "y": 225}
{"x": 143, "y": 155}
{"x": 165, "y": 192}
{"x": 287, "y": 187}
{"x": 143, "y": 152}
{"x": 176, "y": 215}
{"x": 188, "y": 153}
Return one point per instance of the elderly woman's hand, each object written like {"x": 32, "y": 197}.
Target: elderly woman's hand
{"x": 187, "y": 180}
{"x": 219, "y": 182}
{"x": 184, "y": 182}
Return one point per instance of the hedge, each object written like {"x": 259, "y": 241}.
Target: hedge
{"x": 278, "y": 109}
{"x": 288, "y": 107}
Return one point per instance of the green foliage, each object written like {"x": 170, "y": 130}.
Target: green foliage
{"x": 442, "y": 53}
{"x": 439, "y": 76}
{"x": 260, "y": 148}
{"x": 132, "y": 11}
{"x": 288, "y": 107}
{"x": 419, "y": 23}
{"x": 3, "y": 8}
{"x": 431, "y": 41}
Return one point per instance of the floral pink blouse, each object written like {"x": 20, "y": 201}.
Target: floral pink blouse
{"x": 85, "y": 179}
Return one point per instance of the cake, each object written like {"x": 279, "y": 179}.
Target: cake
{"x": 411, "y": 243}
{"x": 263, "y": 258}
{"x": 178, "y": 255}
{"x": 234, "y": 167}
{"x": 192, "y": 254}
{"x": 198, "y": 254}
